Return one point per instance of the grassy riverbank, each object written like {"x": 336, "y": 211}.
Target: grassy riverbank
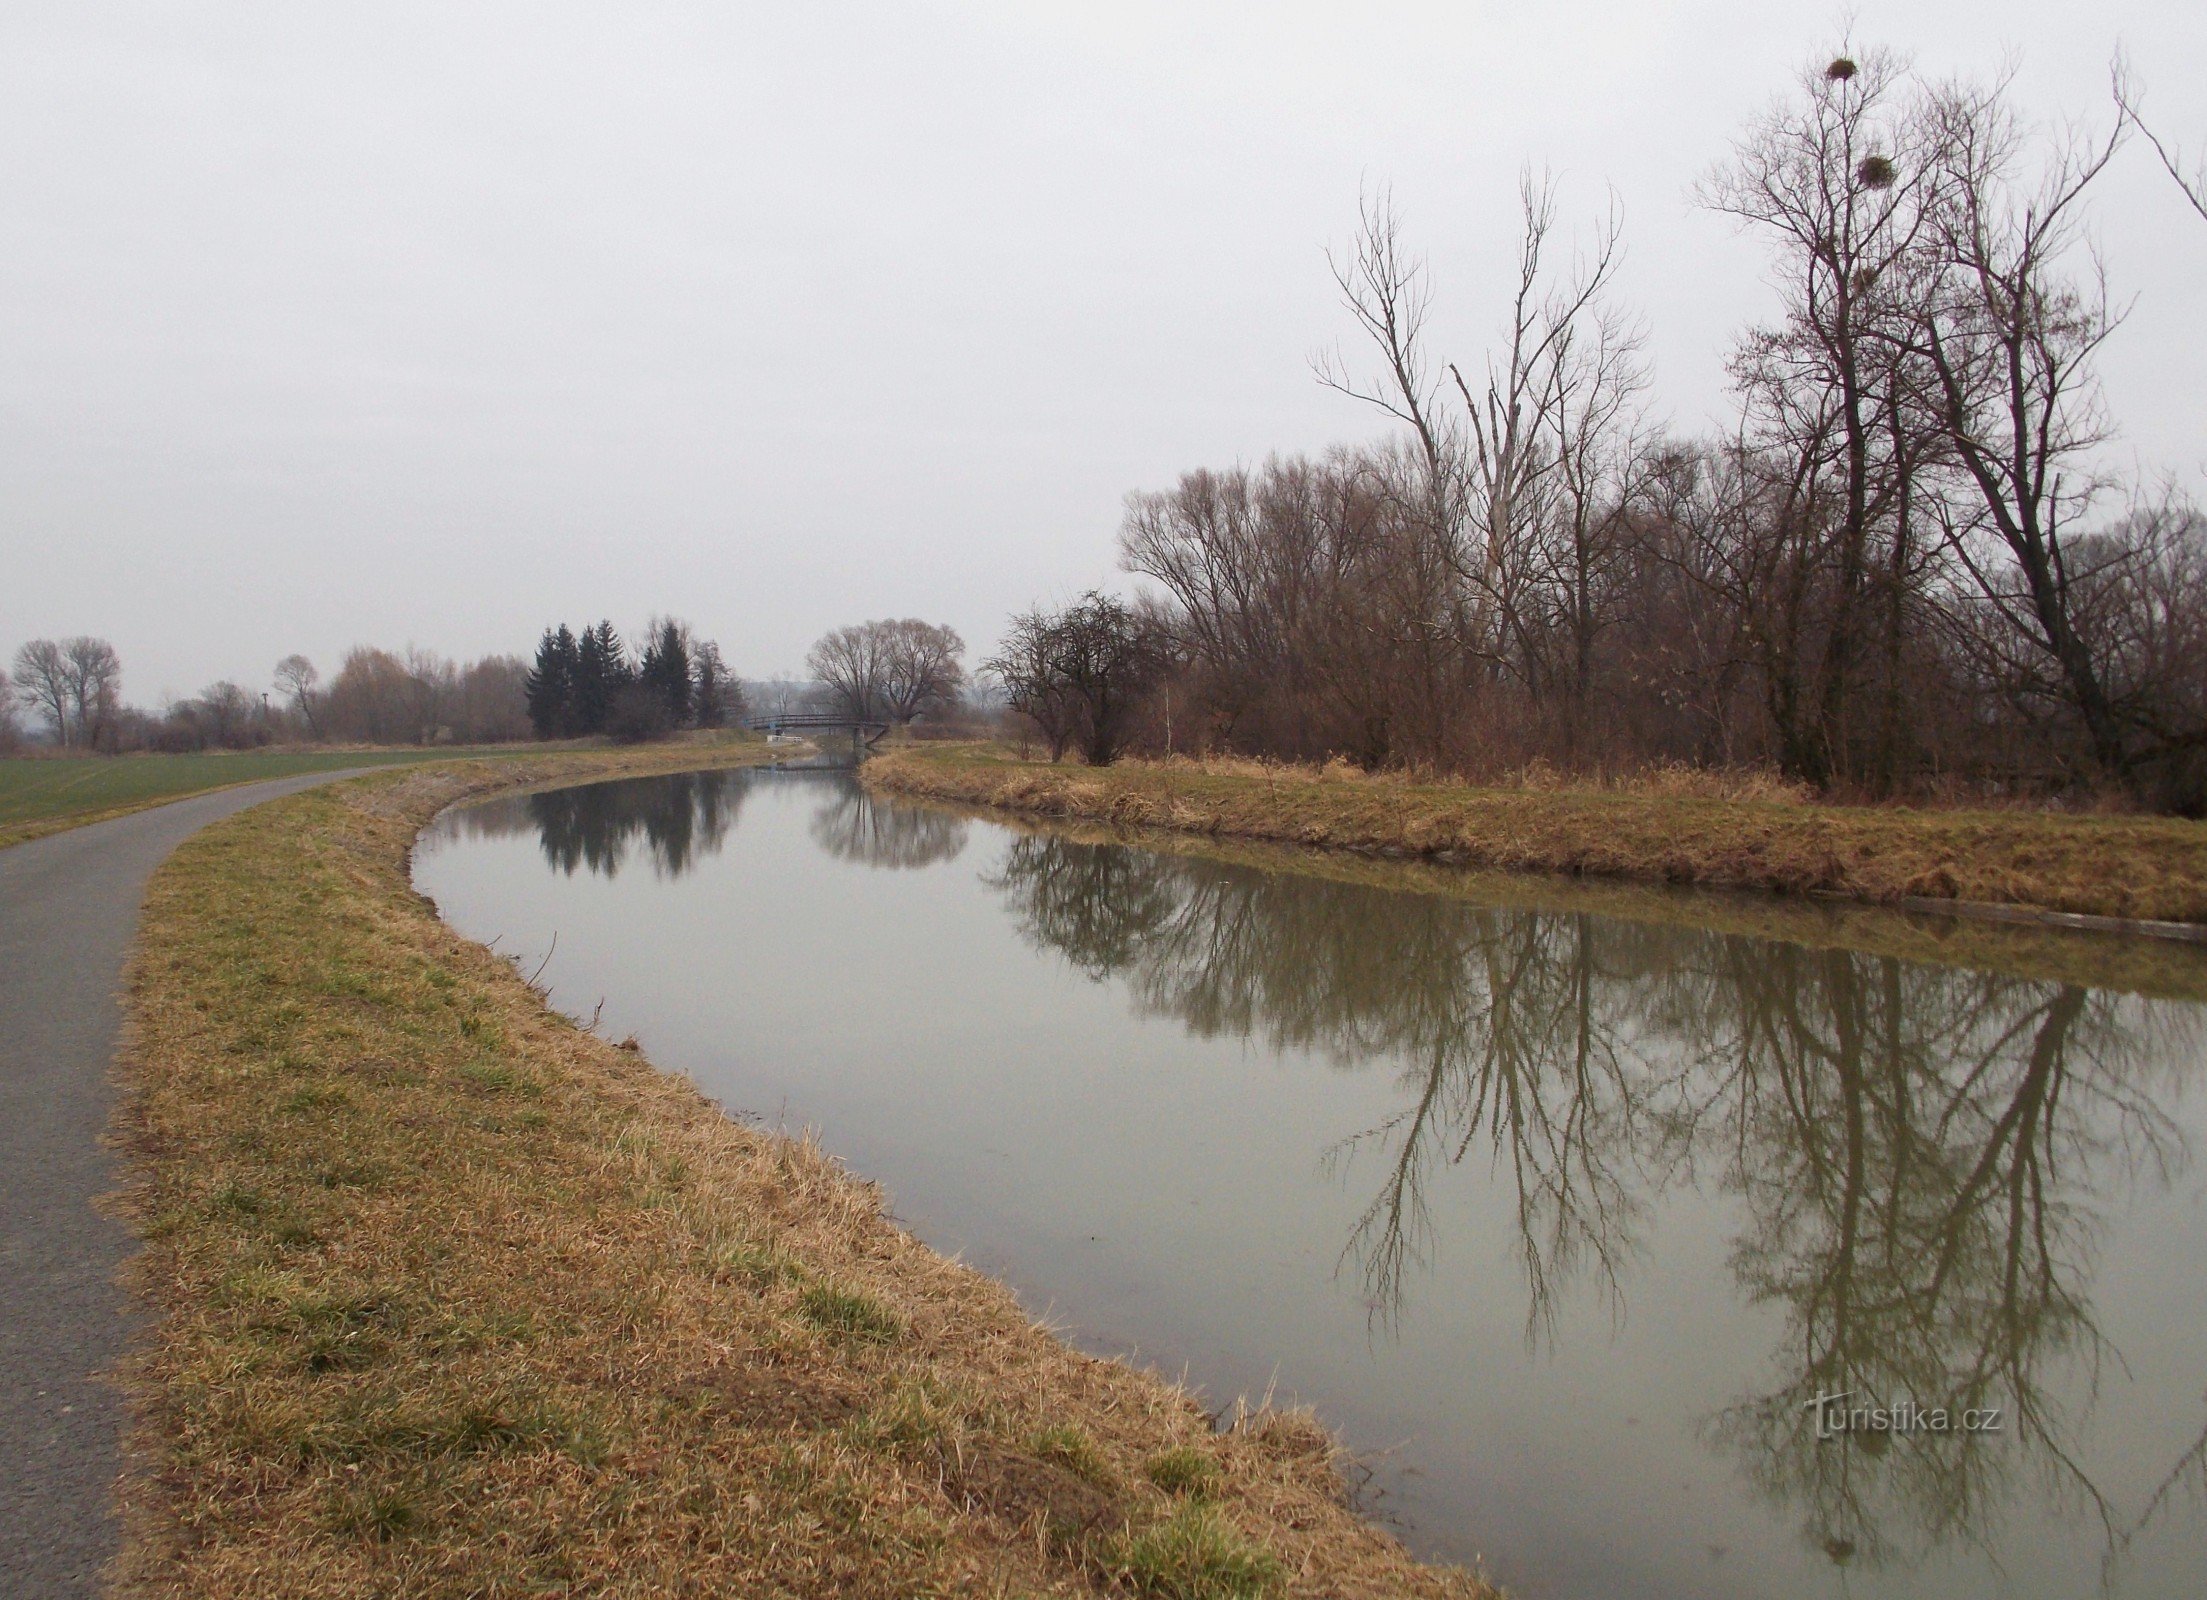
{"x": 458, "y": 1299}
{"x": 1676, "y": 833}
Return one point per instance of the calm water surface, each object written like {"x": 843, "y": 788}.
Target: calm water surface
{"x": 1562, "y": 1219}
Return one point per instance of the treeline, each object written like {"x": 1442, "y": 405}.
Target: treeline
{"x": 1906, "y": 566}
{"x": 588, "y": 683}
{"x": 73, "y": 687}
{"x": 577, "y": 687}
{"x": 420, "y": 697}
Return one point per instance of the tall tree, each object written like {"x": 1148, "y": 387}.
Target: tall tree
{"x": 2011, "y": 335}
{"x": 42, "y": 677}
{"x": 296, "y": 677}
{"x": 373, "y": 700}
{"x": 1520, "y": 496}
{"x": 1082, "y": 673}
{"x": 665, "y": 671}
{"x": 94, "y": 673}
{"x": 601, "y": 672}
{"x": 551, "y": 684}
{"x": 849, "y": 661}
{"x": 230, "y": 716}
{"x": 714, "y": 691}
{"x": 920, "y": 667}
{"x": 1840, "y": 180}
{"x": 1025, "y": 663}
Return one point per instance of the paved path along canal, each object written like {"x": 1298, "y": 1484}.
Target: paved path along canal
{"x": 68, "y": 910}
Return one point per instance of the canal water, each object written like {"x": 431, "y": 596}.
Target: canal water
{"x": 1564, "y": 1221}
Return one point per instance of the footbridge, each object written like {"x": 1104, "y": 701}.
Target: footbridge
{"x": 863, "y": 730}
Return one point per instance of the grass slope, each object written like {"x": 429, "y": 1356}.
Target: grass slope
{"x": 2134, "y": 867}
{"x": 457, "y": 1299}
{"x": 46, "y": 794}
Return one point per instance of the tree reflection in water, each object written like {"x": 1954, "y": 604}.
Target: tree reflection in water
{"x": 681, "y": 818}
{"x": 1926, "y": 1155}
{"x": 852, "y": 825}
{"x": 684, "y": 817}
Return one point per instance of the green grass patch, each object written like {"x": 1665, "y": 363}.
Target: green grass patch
{"x": 849, "y": 1313}
{"x": 1185, "y": 1471}
{"x": 1194, "y": 1555}
{"x": 1073, "y": 1449}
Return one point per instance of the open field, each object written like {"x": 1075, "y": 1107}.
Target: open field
{"x": 44, "y": 794}
{"x": 1683, "y": 830}
{"x": 458, "y": 1299}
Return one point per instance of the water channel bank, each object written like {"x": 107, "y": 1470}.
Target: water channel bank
{"x": 1561, "y": 1200}
{"x": 2140, "y": 870}
{"x": 459, "y": 1297}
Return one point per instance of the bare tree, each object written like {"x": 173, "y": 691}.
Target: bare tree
{"x": 1385, "y": 290}
{"x": 8, "y": 732}
{"x": 490, "y": 701}
{"x": 432, "y": 687}
{"x": 1026, "y": 665}
{"x": 1523, "y": 417}
{"x": 94, "y": 674}
{"x": 1841, "y": 178}
{"x": 779, "y": 697}
{"x": 372, "y": 700}
{"x": 1313, "y": 604}
{"x": 850, "y": 662}
{"x": 2010, "y": 337}
{"x": 716, "y": 694}
{"x": 1596, "y": 374}
{"x": 1518, "y": 532}
{"x": 227, "y": 713}
{"x": 296, "y": 677}
{"x": 42, "y": 678}
{"x": 1085, "y": 671}
{"x": 920, "y": 667}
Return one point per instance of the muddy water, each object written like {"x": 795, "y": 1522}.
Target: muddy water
{"x": 1565, "y": 1221}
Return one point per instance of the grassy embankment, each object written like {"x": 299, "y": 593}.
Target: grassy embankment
{"x": 458, "y": 1299}
{"x": 47, "y": 794}
{"x": 1680, "y": 830}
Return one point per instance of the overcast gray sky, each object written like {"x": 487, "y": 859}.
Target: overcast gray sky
{"x": 323, "y": 324}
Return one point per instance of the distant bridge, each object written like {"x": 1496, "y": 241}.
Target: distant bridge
{"x": 863, "y": 730}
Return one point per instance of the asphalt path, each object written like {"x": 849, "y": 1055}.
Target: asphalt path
{"x": 68, "y": 911}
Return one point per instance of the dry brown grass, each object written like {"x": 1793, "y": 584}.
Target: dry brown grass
{"x": 458, "y": 1299}
{"x": 1676, "y": 779}
{"x": 1734, "y": 832}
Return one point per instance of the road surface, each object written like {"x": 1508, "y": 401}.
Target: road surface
{"x": 68, "y": 910}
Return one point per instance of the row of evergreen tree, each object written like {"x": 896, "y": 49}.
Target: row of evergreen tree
{"x": 589, "y": 683}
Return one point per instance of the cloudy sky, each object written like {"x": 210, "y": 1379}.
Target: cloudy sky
{"x": 325, "y": 324}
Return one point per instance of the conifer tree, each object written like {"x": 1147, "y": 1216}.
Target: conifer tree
{"x": 601, "y": 671}
{"x": 551, "y": 684}
{"x": 666, "y": 671}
